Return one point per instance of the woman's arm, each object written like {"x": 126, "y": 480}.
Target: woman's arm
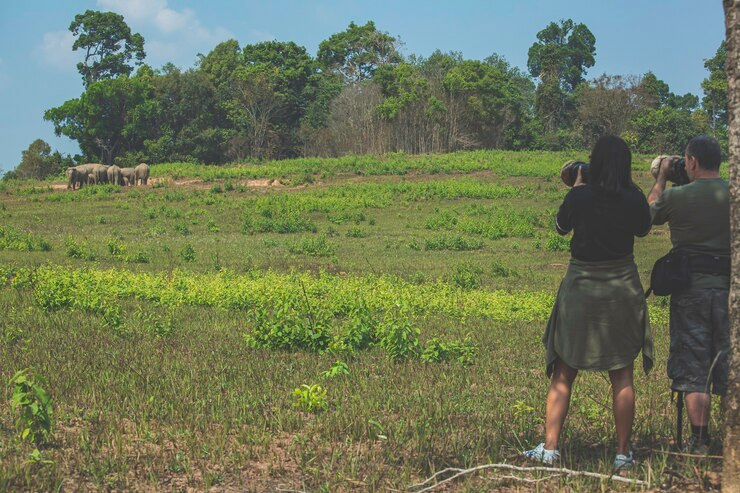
{"x": 564, "y": 218}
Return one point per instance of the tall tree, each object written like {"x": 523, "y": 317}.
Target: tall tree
{"x": 604, "y": 106}
{"x": 188, "y": 120}
{"x": 108, "y": 119}
{"x": 221, "y": 62}
{"x": 357, "y": 52}
{"x": 714, "y": 101}
{"x": 559, "y": 59}
{"x": 38, "y": 161}
{"x": 731, "y": 466}
{"x": 108, "y": 44}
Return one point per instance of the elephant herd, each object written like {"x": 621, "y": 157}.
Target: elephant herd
{"x": 93, "y": 173}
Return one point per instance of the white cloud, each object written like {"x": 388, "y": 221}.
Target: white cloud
{"x": 135, "y": 10}
{"x": 166, "y": 20}
{"x": 178, "y": 36}
{"x": 55, "y": 50}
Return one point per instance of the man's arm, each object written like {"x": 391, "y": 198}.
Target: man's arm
{"x": 660, "y": 182}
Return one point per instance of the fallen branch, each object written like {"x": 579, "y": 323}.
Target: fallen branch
{"x": 558, "y": 471}
{"x": 684, "y": 454}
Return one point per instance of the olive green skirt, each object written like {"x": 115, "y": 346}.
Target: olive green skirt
{"x": 600, "y": 320}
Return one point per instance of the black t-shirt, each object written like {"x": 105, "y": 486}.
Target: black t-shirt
{"x": 605, "y": 224}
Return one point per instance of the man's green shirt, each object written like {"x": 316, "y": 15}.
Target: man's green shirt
{"x": 698, "y": 215}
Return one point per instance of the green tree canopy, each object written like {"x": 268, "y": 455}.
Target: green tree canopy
{"x": 560, "y": 58}
{"x": 357, "y": 52}
{"x": 38, "y": 161}
{"x": 714, "y": 101}
{"x": 108, "y": 44}
{"x": 221, "y": 62}
{"x": 109, "y": 118}
{"x": 562, "y": 52}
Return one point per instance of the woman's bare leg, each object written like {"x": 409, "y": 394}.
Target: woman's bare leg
{"x": 558, "y": 400}
{"x": 623, "y": 404}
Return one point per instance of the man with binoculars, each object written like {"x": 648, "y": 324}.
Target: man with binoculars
{"x": 697, "y": 214}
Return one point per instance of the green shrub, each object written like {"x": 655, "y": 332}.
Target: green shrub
{"x": 33, "y": 405}
{"x": 315, "y": 247}
{"x": 77, "y": 250}
{"x": 311, "y": 398}
{"x": 399, "y": 339}
{"x": 467, "y": 276}
{"x": 452, "y": 242}
{"x": 436, "y": 351}
{"x": 187, "y": 253}
{"x": 557, "y": 243}
{"x": 13, "y": 239}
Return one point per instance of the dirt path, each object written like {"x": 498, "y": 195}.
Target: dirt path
{"x": 193, "y": 182}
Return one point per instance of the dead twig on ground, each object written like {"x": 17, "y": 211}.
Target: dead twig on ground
{"x": 558, "y": 472}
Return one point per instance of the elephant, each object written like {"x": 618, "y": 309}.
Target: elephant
{"x": 128, "y": 176}
{"x": 98, "y": 172}
{"x": 79, "y": 175}
{"x": 142, "y": 173}
{"x": 75, "y": 178}
{"x": 114, "y": 175}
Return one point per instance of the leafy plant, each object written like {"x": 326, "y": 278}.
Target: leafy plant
{"x": 467, "y": 276}
{"x": 78, "y": 250}
{"x": 338, "y": 369}
{"x": 498, "y": 269}
{"x": 13, "y": 239}
{"x": 315, "y": 247}
{"x": 117, "y": 249}
{"x": 311, "y": 398}
{"x": 557, "y": 243}
{"x": 400, "y": 339}
{"x": 33, "y": 405}
{"x": 187, "y": 253}
{"x": 182, "y": 229}
{"x": 436, "y": 350}
{"x": 452, "y": 242}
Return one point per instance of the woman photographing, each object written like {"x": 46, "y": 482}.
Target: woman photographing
{"x": 599, "y": 321}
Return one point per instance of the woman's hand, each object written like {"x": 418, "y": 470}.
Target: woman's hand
{"x": 579, "y": 179}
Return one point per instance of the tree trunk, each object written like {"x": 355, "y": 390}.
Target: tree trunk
{"x": 731, "y": 467}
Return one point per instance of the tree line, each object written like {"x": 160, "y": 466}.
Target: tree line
{"x": 359, "y": 95}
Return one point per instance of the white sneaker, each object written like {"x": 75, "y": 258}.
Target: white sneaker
{"x": 622, "y": 461}
{"x": 540, "y": 453}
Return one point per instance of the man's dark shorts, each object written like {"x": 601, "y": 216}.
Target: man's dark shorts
{"x": 700, "y": 341}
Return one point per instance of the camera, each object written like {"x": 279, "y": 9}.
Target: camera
{"x": 676, "y": 172}
{"x": 569, "y": 172}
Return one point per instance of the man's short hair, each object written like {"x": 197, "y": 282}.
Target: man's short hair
{"x": 706, "y": 150}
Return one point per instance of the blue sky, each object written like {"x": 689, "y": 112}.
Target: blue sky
{"x": 37, "y": 65}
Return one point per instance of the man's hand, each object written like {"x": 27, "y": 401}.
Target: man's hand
{"x": 665, "y": 167}
{"x": 660, "y": 180}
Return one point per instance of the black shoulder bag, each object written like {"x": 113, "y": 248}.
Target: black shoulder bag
{"x": 671, "y": 274}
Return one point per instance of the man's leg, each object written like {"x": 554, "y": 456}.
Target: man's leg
{"x": 558, "y": 400}
{"x": 690, "y": 358}
{"x": 623, "y": 404}
{"x": 697, "y": 407}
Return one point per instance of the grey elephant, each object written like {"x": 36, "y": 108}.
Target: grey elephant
{"x": 75, "y": 178}
{"x": 114, "y": 175}
{"x": 100, "y": 173}
{"x": 79, "y": 175}
{"x": 128, "y": 175}
{"x": 142, "y": 173}
{"x": 93, "y": 172}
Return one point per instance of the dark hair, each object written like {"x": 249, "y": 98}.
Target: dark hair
{"x": 611, "y": 164}
{"x": 706, "y": 150}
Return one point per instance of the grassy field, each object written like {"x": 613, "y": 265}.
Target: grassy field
{"x": 355, "y": 324}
